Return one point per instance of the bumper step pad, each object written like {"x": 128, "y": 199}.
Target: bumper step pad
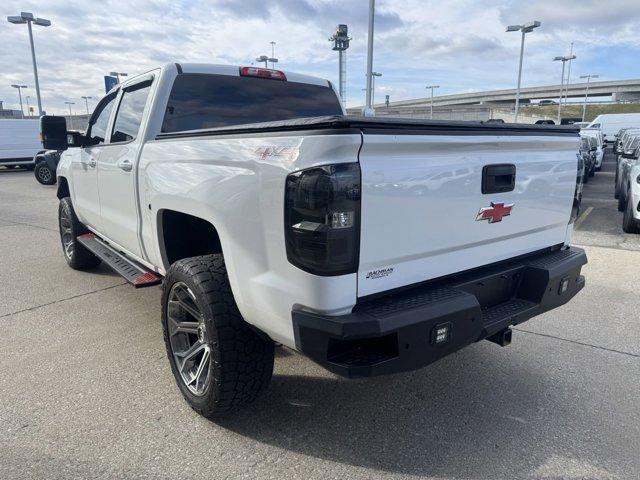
{"x": 131, "y": 271}
{"x": 409, "y": 329}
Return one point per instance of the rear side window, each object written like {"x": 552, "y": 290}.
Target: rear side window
{"x": 210, "y": 101}
{"x": 129, "y": 116}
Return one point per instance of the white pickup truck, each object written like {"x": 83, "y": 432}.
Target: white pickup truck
{"x": 371, "y": 246}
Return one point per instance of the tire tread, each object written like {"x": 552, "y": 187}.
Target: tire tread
{"x": 242, "y": 358}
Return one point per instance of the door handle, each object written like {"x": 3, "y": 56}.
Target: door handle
{"x": 125, "y": 165}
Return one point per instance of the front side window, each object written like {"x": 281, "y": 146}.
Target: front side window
{"x": 129, "y": 116}
{"x": 97, "y": 129}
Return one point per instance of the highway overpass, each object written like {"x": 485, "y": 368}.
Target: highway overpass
{"x": 619, "y": 90}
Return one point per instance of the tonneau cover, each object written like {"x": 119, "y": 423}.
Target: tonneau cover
{"x": 380, "y": 125}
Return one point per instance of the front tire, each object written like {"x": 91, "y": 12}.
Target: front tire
{"x": 76, "y": 255}
{"x": 44, "y": 174}
{"x": 219, "y": 362}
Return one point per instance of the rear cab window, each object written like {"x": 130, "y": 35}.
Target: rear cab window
{"x": 200, "y": 101}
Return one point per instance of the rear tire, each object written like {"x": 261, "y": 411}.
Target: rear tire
{"x": 76, "y": 255}
{"x": 219, "y": 362}
{"x": 622, "y": 202}
{"x": 44, "y": 174}
{"x": 629, "y": 223}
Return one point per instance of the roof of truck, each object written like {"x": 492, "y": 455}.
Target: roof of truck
{"x": 234, "y": 70}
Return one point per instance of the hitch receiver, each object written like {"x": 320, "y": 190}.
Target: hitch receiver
{"x": 502, "y": 338}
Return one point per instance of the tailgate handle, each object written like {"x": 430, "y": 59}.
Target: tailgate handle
{"x": 498, "y": 178}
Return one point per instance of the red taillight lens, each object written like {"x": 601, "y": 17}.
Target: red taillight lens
{"x": 262, "y": 73}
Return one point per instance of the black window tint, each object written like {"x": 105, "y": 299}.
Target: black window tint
{"x": 130, "y": 111}
{"x": 97, "y": 131}
{"x": 209, "y": 101}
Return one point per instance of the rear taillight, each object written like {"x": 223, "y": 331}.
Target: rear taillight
{"x": 262, "y": 73}
{"x": 322, "y": 219}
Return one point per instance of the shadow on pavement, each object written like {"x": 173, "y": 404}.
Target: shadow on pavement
{"x": 471, "y": 417}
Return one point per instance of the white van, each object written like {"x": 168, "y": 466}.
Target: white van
{"x": 19, "y": 141}
{"x": 611, "y": 123}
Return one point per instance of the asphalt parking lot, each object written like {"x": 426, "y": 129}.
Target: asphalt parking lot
{"x": 86, "y": 390}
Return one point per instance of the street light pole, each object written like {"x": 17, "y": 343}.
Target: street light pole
{"x": 526, "y": 28}
{"x": 28, "y": 106}
{"x": 431, "y": 104}
{"x": 273, "y": 53}
{"x": 373, "y": 87}
{"x": 28, "y": 18}
{"x": 566, "y": 87}
{"x": 20, "y": 87}
{"x": 586, "y": 94}
{"x": 368, "y": 109}
{"x": 341, "y": 43}
{"x": 70, "y": 113}
{"x": 86, "y": 101}
{"x": 564, "y": 60}
{"x": 265, "y": 59}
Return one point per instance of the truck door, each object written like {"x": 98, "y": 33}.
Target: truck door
{"x": 117, "y": 169}
{"x": 86, "y": 202}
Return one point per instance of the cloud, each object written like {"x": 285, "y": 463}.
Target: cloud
{"x": 459, "y": 44}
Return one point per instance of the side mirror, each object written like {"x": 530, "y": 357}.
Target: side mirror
{"x": 75, "y": 139}
{"x": 53, "y": 132}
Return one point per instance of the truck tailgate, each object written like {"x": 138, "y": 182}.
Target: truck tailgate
{"x": 424, "y": 213}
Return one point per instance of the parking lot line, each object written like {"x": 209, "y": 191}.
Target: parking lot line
{"x": 582, "y": 217}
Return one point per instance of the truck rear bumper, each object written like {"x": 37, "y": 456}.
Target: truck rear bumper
{"x": 412, "y": 328}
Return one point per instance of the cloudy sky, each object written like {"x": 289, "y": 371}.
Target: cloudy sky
{"x": 458, "y": 44}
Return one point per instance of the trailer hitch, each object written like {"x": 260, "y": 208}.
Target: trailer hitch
{"x": 502, "y": 338}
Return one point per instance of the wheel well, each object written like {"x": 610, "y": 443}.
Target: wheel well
{"x": 184, "y": 236}
{"x": 63, "y": 188}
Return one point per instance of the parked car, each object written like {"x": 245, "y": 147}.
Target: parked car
{"x": 45, "y": 166}
{"x": 570, "y": 120}
{"x": 628, "y": 160}
{"x": 547, "y": 102}
{"x": 264, "y": 227}
{"x": 580, "y": 180}
{"x": 599, "y": 155}
{"x": 588, "y": 151}
{"x": 630, "y": 143}
{"x": 545, "y": 122}
{"x": 631, "y": 217}
{"x": 19, "y": 142}
{"x": 617, "y": 144}
{"x": 611, "y": 123}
